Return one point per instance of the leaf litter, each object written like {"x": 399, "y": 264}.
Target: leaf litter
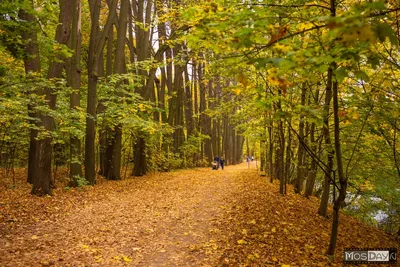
{"x": 193, "y": 217}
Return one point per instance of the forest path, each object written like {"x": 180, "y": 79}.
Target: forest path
{"x": 196, "y": 217}
{"x": 165, "y": 219}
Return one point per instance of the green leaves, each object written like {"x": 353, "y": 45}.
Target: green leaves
{"x": 383, "y": 31}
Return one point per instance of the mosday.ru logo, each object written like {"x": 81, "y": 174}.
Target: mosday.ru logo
{"x": 356, "y": 256}
{"x": 378, "y": 255}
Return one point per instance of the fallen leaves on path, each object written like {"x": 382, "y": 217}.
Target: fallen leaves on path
{"x": 194, "y": 217}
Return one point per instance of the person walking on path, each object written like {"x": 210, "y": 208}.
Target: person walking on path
{"x": 216, "y": 160}
{"x": 222, "y": 163}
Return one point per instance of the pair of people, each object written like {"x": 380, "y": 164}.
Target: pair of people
{"x": 218, "y": 162}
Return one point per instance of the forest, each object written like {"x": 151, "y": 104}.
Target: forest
{"x": 95, "y": 93}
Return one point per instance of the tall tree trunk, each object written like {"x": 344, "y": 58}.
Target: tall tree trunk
{"x": 96, "y": 46}
{"x": 288, "y": 156}
{"x": 105, "y": 131}
{"x": 142, "y": 12}
{"x": 314, "y": 167}
{"x": 271, "y": 149}
{"x": 323, "y": 207}
{"x": 342, "y": 178}
{"x": 32, "y": 66}
{"x": 115, "y": 173}
{"x": 281, "y": 155}
{"x": 301, "y": 151}
{"x": 74, "y": 80}
{"x": 205, "y": 121}
{"x": 39, "y": 165}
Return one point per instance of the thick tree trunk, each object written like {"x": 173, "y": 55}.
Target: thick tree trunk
{"x": 142, "y": 11}
{"x": 140, "y": 166}
{"x": 116, "y": 134}
{"x": 74, "y": 81}
{"x": 40, "y": 154}
{"x": 205, "y": 121}
{"x": 105, "y": 133}
{"x": 96, "y": 46}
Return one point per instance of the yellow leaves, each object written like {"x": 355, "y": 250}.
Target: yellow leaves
{"x": 142, "y": 107}
{"x": 279, "y": 82}
{"x": 242, "y": 242}
{"x": 309, "y": 247}
{"x": 285, "y": 265}
{"x": 253, "y": 256}
{"x": 237, "y": 91}
{"x": 357, "y": 33}
{"x": 123, "y": 258}
{"x": 367, "y": 186}
{"x": 126, "y": 258}
{"x": 98, "y": 258}
{"x": 305, "y": 26}
{"x": 282, "y": 48}
{"x": 273, "y": 230}
{"x": 278, "y": 34}
{"x": 274, "y": 259}
{"x": 241, "y": 78}
{"x": 34, "y": 237}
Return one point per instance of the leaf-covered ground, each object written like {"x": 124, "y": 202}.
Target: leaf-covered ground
{"x": 195, "y": 217}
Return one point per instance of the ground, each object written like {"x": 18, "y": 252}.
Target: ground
{"x": 199, "y": 217}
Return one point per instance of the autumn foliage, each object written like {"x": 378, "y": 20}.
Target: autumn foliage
{"x": 184, "y": 218}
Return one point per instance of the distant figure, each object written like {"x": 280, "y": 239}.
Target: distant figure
{"x": 216, "y": 160}
{"x": 222, "y": 163}
{"x": 214, "y": 165}
{"x": 247, "y": 158}
{"x": 252, "y": 158}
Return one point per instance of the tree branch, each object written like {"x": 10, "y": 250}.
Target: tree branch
{"x": 288, "y": 6}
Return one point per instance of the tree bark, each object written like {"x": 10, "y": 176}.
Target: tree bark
{"x": 323, "y": 207}
{"x": 40, "y": 153}
{"x": 74, "y": 81}
{"x": 115, "y": 172}
{"x": 314, "y": 167}
{"x": 96, "y": 46}
{"x": 342, "y": 178}
{"x": 301, "y": 151}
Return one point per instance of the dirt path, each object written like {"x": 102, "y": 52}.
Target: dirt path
{"x": 185, "y": 218}
{"x": 161, "y": 220}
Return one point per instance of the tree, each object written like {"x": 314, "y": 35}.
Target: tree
{"x": 96, "y": 46}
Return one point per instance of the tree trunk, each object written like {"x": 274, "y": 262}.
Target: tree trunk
{"x": 115, "y": 173}
{"x": 74, "y": 81}
{"x": 96, "y": 46}
{"x": 301, "y": 151}
{"x": 314, "y": 167}
{"x": 342, "y": 178}
{"x": 323, "y": 207}
{"x": 142, "y": 11}
{"x": 271, "y": 150}
{"x": 39, "y": 165}
{"x": 105, "y": 131}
